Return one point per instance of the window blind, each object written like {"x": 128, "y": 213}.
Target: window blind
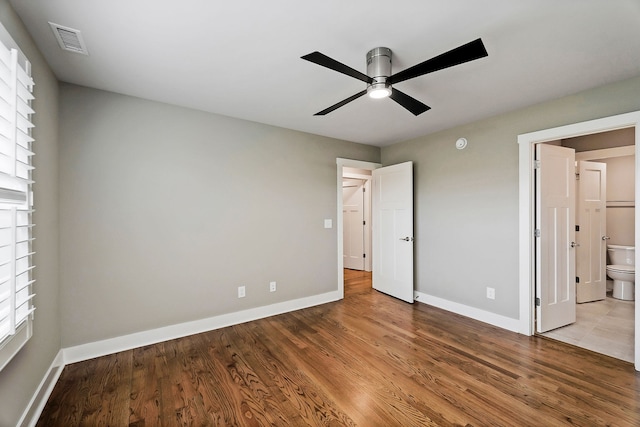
{"x": 16, "y": 203}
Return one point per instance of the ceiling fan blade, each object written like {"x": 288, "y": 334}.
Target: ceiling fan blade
{"x": 411, "y": 104}
{"x": 340, "y": 104}
{"x": 325, "y": 61}
{"x": 465, "y": 53}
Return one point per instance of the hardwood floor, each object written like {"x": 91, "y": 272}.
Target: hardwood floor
{"x": 368, "y": 360}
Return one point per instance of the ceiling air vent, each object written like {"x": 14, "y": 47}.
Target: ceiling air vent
{"x": 69, "y": 39}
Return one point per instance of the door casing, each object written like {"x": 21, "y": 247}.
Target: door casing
{"x": 526, "y": 143}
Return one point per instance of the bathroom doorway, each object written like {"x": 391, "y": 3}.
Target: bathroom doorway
{"x": 603, "y": 323}
{"x": 527, "y": 238}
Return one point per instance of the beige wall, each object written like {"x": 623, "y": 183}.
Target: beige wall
{"x": 165, "y": 211}
{"x": 20, "y": 379}
{"x": 466, "y": 211}
{"x": 621, "y": 188}
{"x": 620, "y": 180}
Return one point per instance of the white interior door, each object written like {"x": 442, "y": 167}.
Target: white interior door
{"x": 353, "y": 228}
{"x": 591, "y": 232}
{"x": 555, "y": 246}
{"x": 393, "y": 230}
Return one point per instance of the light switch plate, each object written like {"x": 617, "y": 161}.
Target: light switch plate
{"x": 328, "y": 223}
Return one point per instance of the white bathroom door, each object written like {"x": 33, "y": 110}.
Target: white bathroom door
{"x": 353, "y": 228}
{"x": 555, "y": 246}
{"x": 591, "y": 232}
{"x": 393, "y": 230}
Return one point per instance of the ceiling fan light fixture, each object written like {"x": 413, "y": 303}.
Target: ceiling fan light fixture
{"x": 379, "y": 90}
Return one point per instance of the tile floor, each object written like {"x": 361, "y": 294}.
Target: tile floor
{"x": 605, "y": 327}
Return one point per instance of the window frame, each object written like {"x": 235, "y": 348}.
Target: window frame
{"x": 16, "y": 200}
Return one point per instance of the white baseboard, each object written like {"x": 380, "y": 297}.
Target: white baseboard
{"x": 127, "y": 342}
{"x": 474, "y": 313}
{"x": 36, "y": 405}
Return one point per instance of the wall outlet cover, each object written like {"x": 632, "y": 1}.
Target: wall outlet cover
{"x": 491, "y": 293}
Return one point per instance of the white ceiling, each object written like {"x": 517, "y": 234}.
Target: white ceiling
{"x": 242, "y": 58}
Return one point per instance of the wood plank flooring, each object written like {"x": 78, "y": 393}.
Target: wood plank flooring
{"x": 369, "y": 360}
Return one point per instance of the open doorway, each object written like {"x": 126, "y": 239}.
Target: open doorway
{"x": 527, "y": 145}
{"x": 391, "y": 227}
{"x": 356, "y": 212}
{"x": 358, "y": 170}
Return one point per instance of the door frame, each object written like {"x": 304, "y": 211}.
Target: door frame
{"x": 341, "y": 163}
{"x": 526, "y": 143}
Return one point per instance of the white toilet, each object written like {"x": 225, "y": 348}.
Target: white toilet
{"x": 622, "y": 270}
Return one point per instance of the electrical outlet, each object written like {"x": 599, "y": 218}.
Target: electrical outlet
{"x": 491, "y": 293}
{"x": 272, "y": 286}
{"x": 241, "y": 292}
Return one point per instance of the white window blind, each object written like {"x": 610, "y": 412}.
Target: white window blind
{"x": 16, "y": 203}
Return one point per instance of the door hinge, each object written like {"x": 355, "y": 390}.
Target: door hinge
{"x": 577, "y": 228}
{"x": 577, "y": 176}
{"x": 577, "y": 279}
{"x": 536, "y": 164}
{"x": 364, "y": 189}
{"x": 537, "y": 302}
{"x": 364, "y": 255}
{"x": 364, "y": 222}
{"x": 536, "y": 232}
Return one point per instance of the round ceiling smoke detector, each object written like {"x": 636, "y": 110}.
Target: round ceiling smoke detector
{"x": 461, "y": 143}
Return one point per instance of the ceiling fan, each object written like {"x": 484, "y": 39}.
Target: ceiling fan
{"x": 379, "y": 78}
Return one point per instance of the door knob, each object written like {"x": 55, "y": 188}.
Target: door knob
{"x": 574, "y": 244}
{"x": 606, "y": 237}
{"x": 407, "y": 239}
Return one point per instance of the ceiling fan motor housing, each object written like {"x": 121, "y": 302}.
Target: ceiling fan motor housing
{"x": 379, "y": 68}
